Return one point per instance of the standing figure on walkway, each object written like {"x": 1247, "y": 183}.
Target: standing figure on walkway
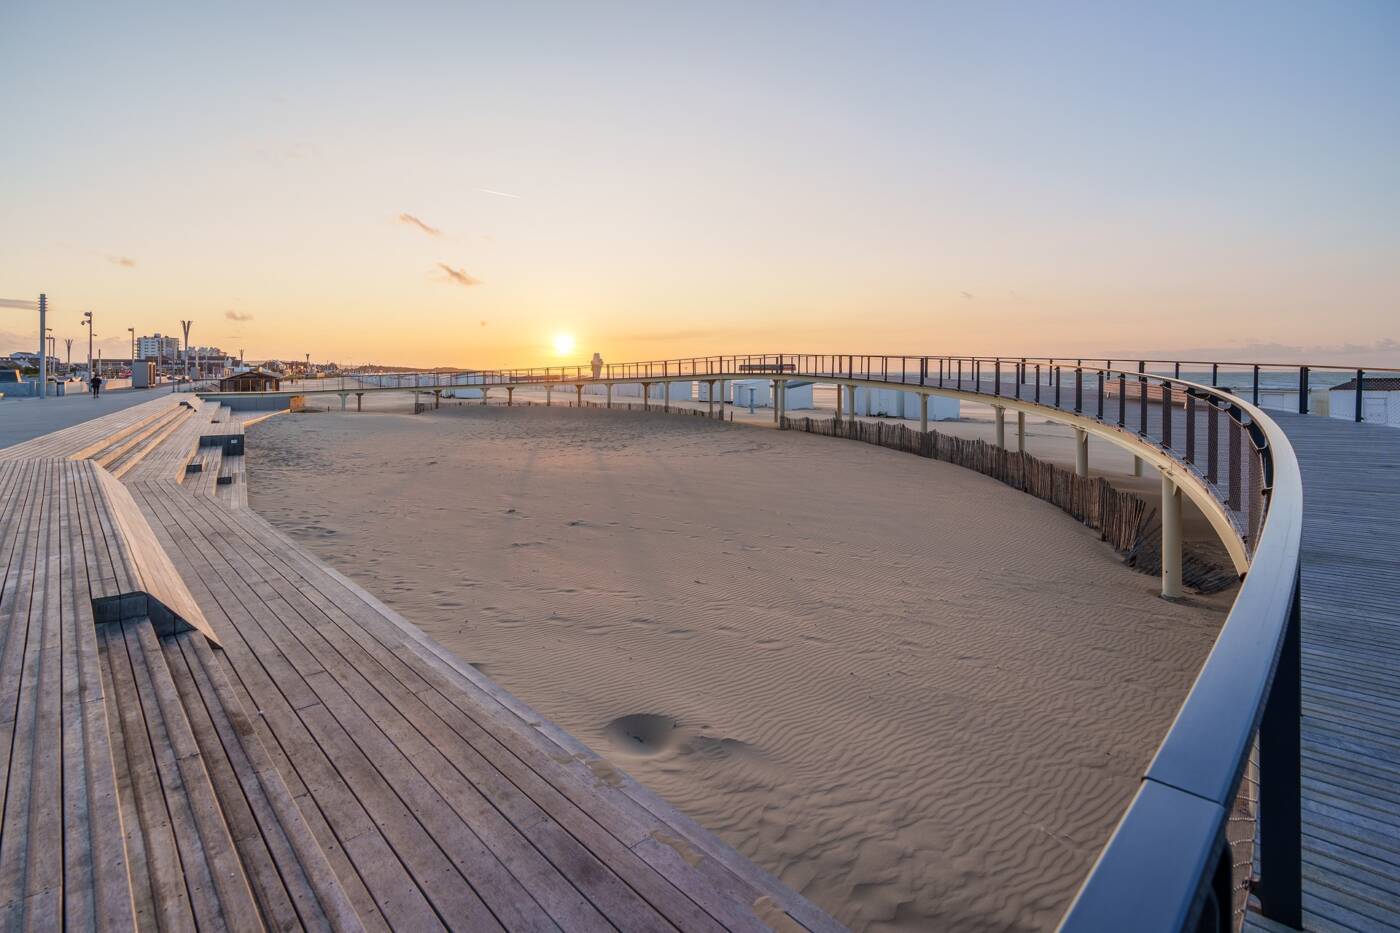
{"x": 597, "y": 365}
{"x": 95, "y": 383}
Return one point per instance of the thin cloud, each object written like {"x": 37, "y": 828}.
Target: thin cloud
{"x": 967, "y": 296}
{"x": 499, "y": 194}
{"x": 458, "y": 276}
{"x": 415, "y": 222}
{"x": 125, "y": 262}
{"x": 236, "y": 316}
{"x": 26, "y": 304}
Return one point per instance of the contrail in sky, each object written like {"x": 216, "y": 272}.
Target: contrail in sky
{"x": 499, "y": 194}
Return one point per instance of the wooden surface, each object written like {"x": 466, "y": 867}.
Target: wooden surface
{"x": 137, "y": 792}
{"x": 1351, "y": 672}
{"x": 327, "y": 767}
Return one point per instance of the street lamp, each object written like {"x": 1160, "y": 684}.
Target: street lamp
{"x": 87, "y": 322}
{"x": 132, "y": 332}
{"x": 186, "y": 326}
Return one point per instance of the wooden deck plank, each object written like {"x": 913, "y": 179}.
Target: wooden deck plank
{"x": 365, "y": 863}
{"x": 1351, "y": 643}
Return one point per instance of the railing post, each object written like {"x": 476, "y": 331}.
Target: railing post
{"x": 1256, "y": 383}
{"x": 1280, "y": 887}
{"x": 1360, "y": 382}
{"x": 1167, "y": 415}
{"x": 996, "y": 369}
{"x": 1079, "y": 387}
{"x": 1303, "y": 390}
{"x": 1142, "y": 401}
{"x": 1171, "y": 539}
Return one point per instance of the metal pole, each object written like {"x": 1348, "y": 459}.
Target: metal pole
{"x": 1171, "y": 539}
{"x": 1280, "y": 886}
{"x": 43, "y": 349}
{"x": 185, "y": 325}
{"x": 1360, "y": 382}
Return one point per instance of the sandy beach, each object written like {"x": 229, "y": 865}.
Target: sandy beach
{"x": 917, "y": 696}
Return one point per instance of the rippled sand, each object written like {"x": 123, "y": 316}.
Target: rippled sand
{"x": 915, "y": 695}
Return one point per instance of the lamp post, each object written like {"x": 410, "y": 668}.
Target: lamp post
{"x": 186, "y": 326}
{"x": 69, "y": 342}
{"x": 132, "y": 332}
{"x": 87, "y": 322}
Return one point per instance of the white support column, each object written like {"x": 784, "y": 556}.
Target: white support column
{"x": 839, "y": 390}
{"x": 923, "y": 412}
{"x": 344, "y": 398}
{"x": 851, "y": 401}
{"x": 610, "y": 394}
{"x": 780, "y": 400}
{"x": 485, "y": 394}
{"x": 1137, "y": 466}
{"x": 710, "y": 397}
{"x": 548, "y": 396}
{"x": 510, "y": 395}
{"x": 666, "y": 395}
{"x": 1081, "y": 452}
{"x": 1001, "y": 426}
{"x": 646, "y": 396}
{"x": 1020, "y": 432}
{"x": 719, "y": 409}
{"x": 579, "y": 392}
{"x": 1171, "y": 538}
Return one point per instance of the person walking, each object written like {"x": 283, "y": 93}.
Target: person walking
{"x": 96, "y": 385}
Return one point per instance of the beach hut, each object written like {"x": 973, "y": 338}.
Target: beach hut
{"x": 254, "y": 380}
{"x": 1380, "y": 400}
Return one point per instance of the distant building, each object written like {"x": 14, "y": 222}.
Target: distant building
{"x": 158, "y": 348}
{"x": 1380, "y": 400}
{"x": 254, "y": 380}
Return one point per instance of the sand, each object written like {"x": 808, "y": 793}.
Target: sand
{"x": 917, "y": 696}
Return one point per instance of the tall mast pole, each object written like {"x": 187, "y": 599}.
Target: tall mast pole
{"x": 43, "y": 345}
{"x": 186, "y": 326}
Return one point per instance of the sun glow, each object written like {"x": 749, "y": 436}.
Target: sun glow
{"x": 563, "y": 344}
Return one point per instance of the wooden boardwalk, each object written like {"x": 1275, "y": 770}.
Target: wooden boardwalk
{"x": 1351, "y": 672}
{"x": 207, "y": 728}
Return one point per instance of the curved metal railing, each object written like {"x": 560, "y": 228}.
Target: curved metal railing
{"x": 1220, "y": 798}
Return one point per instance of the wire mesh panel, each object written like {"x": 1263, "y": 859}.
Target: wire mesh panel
{"x": 1241, "y": 834}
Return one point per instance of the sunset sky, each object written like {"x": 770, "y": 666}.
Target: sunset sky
{"x": 452, "y": 184}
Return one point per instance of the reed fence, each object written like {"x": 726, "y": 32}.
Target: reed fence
{"x": 1122, "y": 519}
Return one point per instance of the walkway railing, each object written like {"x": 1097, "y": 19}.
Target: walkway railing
{"x": 1221, "y": 797}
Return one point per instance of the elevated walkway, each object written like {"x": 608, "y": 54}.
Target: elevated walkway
{"x": 1351, "y": 671}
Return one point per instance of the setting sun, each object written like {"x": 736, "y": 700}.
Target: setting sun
{"x": 563, "y": 344}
